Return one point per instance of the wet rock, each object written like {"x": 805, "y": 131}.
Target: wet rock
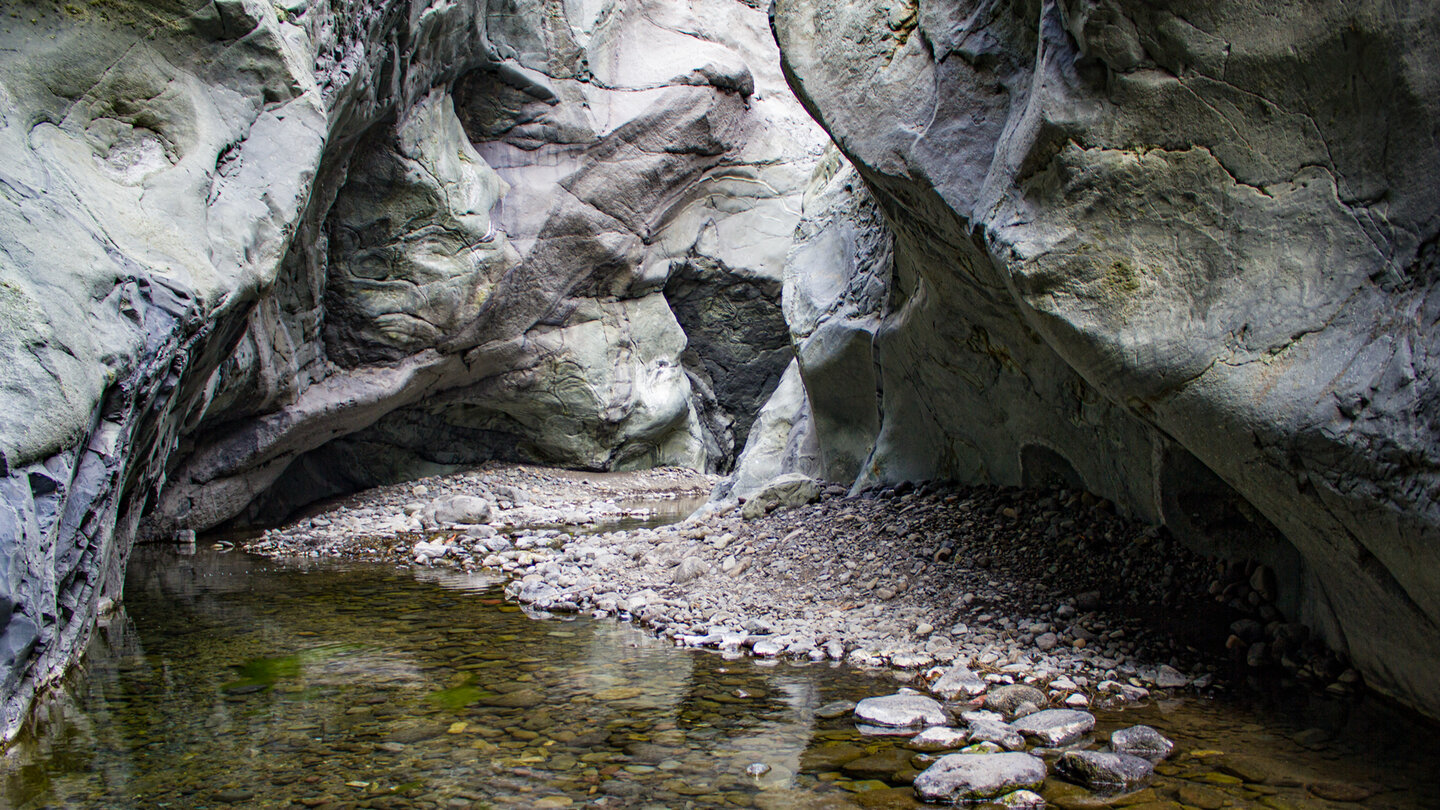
{"x": 768, "y": 647}
{"x": 958, "y": 778}
{"x": 1022, "y": 800}
{"x": 1167, "y": 677}
{"x": 426, "y": 550}
{"x": 900, "y": 711}
{"x": 1104, "y": 771}
{"x": 1205, "y": 798}
{"x": 830, "y": 757}
{"x": 1141, "y": 741}
{"x": 896, "y": 798}
{"x": 991, "y": 727}
{"x": 881, "y": 765}
{"x": 939, "y": 738}
{"x": 1257, "y": 769}
{"x": 834, "y": 709}
{"x": 1341, "y": 791}
{"x": 1055, "y": 727}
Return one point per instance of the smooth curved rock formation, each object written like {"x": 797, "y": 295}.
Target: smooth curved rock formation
{"x": 255, "y": 254}
{"x": 1182, "y": 255}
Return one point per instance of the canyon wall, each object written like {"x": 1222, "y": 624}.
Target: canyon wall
{"x": 1180, "y": 254}
{"x": 254, "y": 254}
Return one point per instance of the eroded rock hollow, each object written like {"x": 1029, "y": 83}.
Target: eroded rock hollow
{"x": 1180, "y": 255}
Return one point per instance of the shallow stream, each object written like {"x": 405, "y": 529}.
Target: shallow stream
{"x": 235, "y": 681}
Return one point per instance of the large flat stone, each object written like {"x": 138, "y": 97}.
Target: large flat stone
{"x": 959, "y": 778}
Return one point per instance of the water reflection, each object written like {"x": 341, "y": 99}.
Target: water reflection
{"x": 238, "y": 680}
{"x": 234, "y": 681}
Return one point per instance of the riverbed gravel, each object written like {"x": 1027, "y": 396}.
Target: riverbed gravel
{"x": 1050, "y": 588}
{"x": 1001, "y": 603}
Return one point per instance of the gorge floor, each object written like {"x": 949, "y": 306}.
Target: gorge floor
{"x": 1046, "y": 588}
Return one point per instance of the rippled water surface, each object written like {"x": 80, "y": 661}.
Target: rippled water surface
{"x": 233, "y": 681}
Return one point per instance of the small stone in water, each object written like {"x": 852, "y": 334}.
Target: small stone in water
{"x": 1340, "y": 791}
{"x": 1022, "y": 800}
{"x": 757, "y": 769}
{"x": 835, "y": 709}
{"x": 1141, "y": 741}
{"x": 939, "y": 738}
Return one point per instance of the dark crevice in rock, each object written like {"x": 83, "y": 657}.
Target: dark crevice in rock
{"x": 739, "y": 345}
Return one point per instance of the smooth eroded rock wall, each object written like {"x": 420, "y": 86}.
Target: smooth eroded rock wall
{"x": 1181, "y": 254}
{"x": 254, "y": 254}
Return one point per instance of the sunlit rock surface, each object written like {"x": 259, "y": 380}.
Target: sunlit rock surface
{"x": 1182, "y": 255}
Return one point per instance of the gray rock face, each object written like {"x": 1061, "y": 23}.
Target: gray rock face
{"x": 1055, "y": 727}
{"x": 790, "y": 489}
{"x": 413, "y": 251}
{"x": 823, "y": 418}
{"x": 320, "y": 246}
{"x": 1167, "y": 255}
{"x": 461, "y": 509}
{"x": 960, "y": 778}
{"x": 901, "y": 711}
{"x": 782, "y": 440}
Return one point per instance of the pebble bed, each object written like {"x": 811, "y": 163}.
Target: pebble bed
{"x": 1042, "y": 587}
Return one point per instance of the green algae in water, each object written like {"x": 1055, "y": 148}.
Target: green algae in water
{"x": 379, "y": 690}
{"x": 262, "y": 673}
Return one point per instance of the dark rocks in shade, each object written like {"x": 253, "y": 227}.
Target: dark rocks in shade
{"x": 1105, "y": 771}
{"x": 1141, "y": 741}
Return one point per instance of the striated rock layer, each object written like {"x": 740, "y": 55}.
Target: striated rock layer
{"x": 1181, "y": 254}
{"x": 253, "y": 254}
